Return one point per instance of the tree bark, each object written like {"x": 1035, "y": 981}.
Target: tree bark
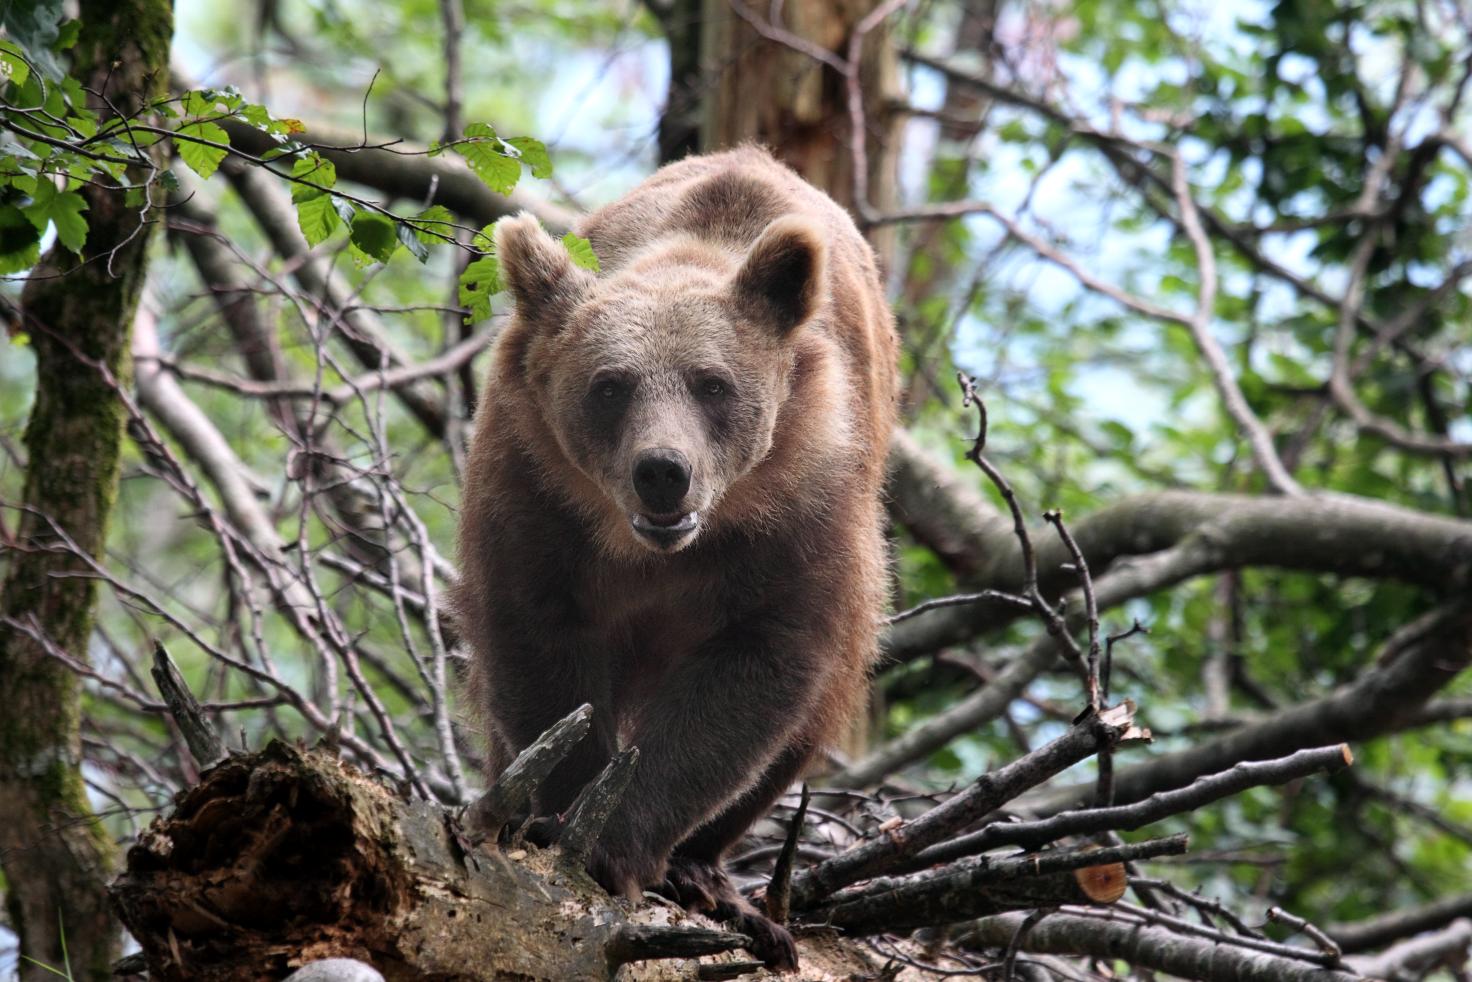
{"x": 56, "y": 855}
{"x": 285, "y": 856}
{"x": 766, "y": 90}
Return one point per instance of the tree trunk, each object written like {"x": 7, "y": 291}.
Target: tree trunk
{"x": 762, "y": 88}
{"x": 56, "y": 855}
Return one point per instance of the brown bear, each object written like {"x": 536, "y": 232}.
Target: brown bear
{"x": 672, "y": 508}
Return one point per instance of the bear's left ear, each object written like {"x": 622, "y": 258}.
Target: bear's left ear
{"x": 781, "y": 279}
{"x": 542, "y": 278}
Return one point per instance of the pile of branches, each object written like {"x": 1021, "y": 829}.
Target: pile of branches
{"x": 286, "y": 856}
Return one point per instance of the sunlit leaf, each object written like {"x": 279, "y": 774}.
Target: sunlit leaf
{"x": 201, "y": 157}
{"x": 581, "y": 251}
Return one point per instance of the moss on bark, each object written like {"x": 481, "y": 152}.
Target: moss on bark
{"x": 56, "y": 855}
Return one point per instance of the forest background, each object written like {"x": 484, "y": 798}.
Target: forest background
{"x": 1206, "y": 263}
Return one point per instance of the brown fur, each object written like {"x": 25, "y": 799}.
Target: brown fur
{"x": 738, "y": 319}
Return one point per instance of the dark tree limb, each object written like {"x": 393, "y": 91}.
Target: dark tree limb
{"x": 514, "y": 788}
{"x": 1215, "y": 531}
{"x": 1384, "y": 929}
{"x": 989, "y": 792}
{"x": 1150, "y": 947}
{"x": 589, "y": 813}
{"x": 1413, "y": 665}
{"x": 199, "y": 735}
{"x": 1087, "y": 821}
{"x": 779, "y": 889}
{"x": 1449, "y": 946}
{"x": 402, "y": 170}
{"x": 646, "y": 942}
{"x": 980, "y": 887}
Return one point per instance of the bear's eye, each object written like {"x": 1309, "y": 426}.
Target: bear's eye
{"x": 712, "y": 387}
{"x": 608, "y": 389}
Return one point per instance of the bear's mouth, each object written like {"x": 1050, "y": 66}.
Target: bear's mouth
{"x": 665, "y": 531}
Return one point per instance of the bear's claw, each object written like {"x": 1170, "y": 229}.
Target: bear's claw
{"x": 704, "y": 887}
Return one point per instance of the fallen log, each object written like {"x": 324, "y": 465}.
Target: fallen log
{"x": 287, "y": 856}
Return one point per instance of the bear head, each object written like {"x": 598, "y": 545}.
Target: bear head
{"x": 662, "y": 381}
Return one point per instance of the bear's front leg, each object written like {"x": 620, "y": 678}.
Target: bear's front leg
{"x": 720, "y": 720}
{"x": 535, "y": 678}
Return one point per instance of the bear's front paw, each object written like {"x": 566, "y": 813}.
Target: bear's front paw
{"x": 695, "y": 885}
{"x": 625, "y": 872}
{"x": 770, "y": 941}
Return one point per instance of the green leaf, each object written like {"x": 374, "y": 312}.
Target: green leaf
{"x": 411, "y": 241}
{"x": 433, "y": 224}
{"x": 67, "y": 34}
{"x": 316, "y": 217}
{"x": 13, "y": 67}
{"x": 260, "y": 117}
{"x": 480, "y": 281}
{"x": 581, "y": 251}
{"x": 20, "y": 241}
{"x": 316, "y": 209}
{"x": 202, "y": 158}
{"x": 484, "y": 155}
{"x": 319, "y": 171}
{"x": 84, "y": 123}
{"x": 533, "y": 155}
{"x": 373, "y": 235}
{"x": 62, "y": 209}
{"x": 197, "y": 102}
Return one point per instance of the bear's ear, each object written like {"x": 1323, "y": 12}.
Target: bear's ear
{"x": 537, "y": 269}
{"x": 781, "y": 279}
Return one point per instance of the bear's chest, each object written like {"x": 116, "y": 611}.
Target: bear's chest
{"x": 654, "y": 618}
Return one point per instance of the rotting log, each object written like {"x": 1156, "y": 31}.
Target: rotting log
{"x": 285, "y": 856}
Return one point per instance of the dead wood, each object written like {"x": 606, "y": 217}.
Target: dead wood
{"x": 514, "y": 788}
{"x": 199, "y": 736}
{"x": 286, "y": 856}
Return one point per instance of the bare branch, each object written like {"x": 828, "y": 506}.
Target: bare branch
{"x": 203, "y": 742}
{"x": 1148, "y": 947}
{"x": 989, "y": 792}
{"x": 589, "y": 813}
{"x": 1202, "y": 792}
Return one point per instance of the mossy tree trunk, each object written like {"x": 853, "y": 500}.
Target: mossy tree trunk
{"x": 55, "y": 854}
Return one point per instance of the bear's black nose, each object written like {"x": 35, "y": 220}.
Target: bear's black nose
{"x": 661, "y": 476}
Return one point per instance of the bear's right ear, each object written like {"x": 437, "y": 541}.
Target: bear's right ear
{"x": 544, "y": 282}
{"x": 781, "y": 279}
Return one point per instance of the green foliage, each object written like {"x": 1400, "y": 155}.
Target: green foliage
{"x": 581, "y": 250}
{"x": 57, "y": 140}
{"x": 373, "y": 237}
{"x": 316, "y": 213}
{"x": 60, "y": 208}
{"x": 494, "y": 160}
{"x": 202, "y": 145}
